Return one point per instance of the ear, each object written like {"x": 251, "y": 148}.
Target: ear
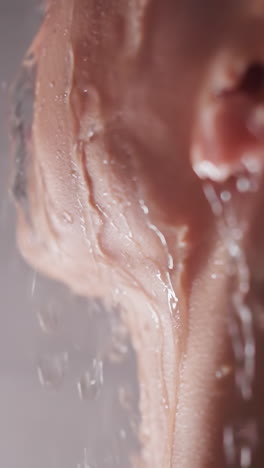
{"x": 228, "y": 134}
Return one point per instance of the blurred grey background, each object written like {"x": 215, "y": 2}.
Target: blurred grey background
{"x": 68, "y": 380}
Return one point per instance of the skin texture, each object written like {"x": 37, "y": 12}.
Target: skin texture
{"x": 145, "y": 113}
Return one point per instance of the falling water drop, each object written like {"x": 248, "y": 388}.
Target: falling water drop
{"x": 87, "y": 463}
{"x": 91, "y": 382}
{"x": 123, "y": 434}
{"x": 243, "y": 184}
{"x": 49, "y": 318}
{"x": 245, "y": 457}
{"x": 33, "y": 284}
{"x": 52, "y": 369}
{"x": 229, "y": 445}
{"x": 125, "y": 398}
{"x": 225, "y": 196}
{"x": 144, "y": 207}
{"x": 118, "y": 349}
{"x": 232, "y": 230}
{"x": 213, "y": 199}
{"x": 3, "y": 85}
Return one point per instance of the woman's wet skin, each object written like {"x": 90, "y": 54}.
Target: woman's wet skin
{"x": 145, "y": 156}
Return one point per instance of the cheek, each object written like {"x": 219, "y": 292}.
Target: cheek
{"x": 100, "y": 152}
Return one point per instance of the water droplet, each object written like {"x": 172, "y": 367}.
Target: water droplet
{"x": 123, "y": 434}
{"x": 213, "y": 199}
{"x": 248, "y": 434}
{"x": 173, "y": 304}
{"x": 225, "y": 196}
{"x": 234, "y": 249}
{"x": 164, "y": 403}
{"x": 119, "y": 348}
{"x": 29, "y": 59}
{"x": 170, "y": 262}
{"x": 144, "y": 207}
{"x": 91, "y": 382}
{"x": 87, "y": 463}
{"x": 125, "y": 398}
{"x": 243, "y": 383}
{"x": 90, "y": 134}
{"x": 67, "y": 217}
{"x": 252, "y": 164}
{"x": 33, "y": 284}
{"x": 51, "y": 84}
{"x": 229, "y": 445}
{"x": 52, "y": 369}
{"x": 3, "y": 85}
{"x": 243, "y": 185}
{"x": 223, "y": 372}
{"x": 245, "y": 457}
{"x": 49, "y": 318}
{"x": 154, "y": 316}
{"x": 74, "y": 174}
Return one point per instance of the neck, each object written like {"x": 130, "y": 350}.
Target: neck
{"x": 178, "y": 324}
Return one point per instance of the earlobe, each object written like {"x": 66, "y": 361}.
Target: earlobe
{"x": 228, "y": 134}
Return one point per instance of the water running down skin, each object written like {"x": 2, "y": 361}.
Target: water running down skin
{"x": 143, "y": 185}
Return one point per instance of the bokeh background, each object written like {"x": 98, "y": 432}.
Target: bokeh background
{"x": 68, "y": 376}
